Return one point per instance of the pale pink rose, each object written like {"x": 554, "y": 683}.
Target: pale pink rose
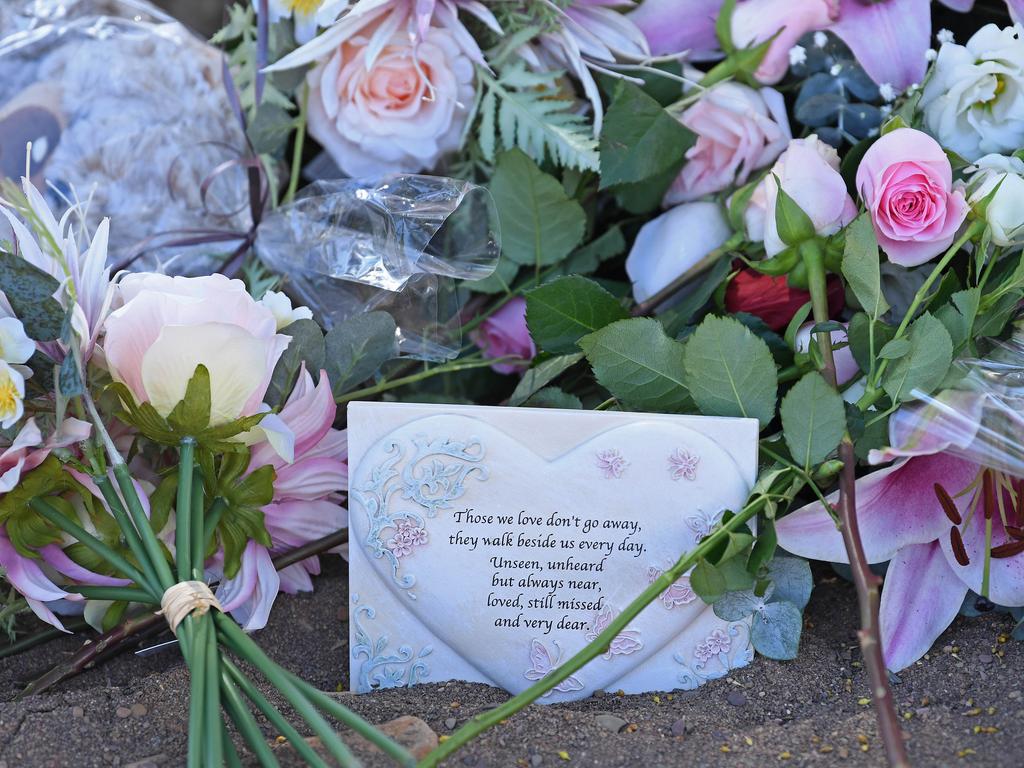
{"x": 755, "y": 21}
{"x": 396, "y": 110}
{"x": 504, "y": 334}
{"x": 167, "y": 326}
{"x": 846, "y": 367}
{"x": 906, "y": 182}
{"x": 739, "y": 129}
{"x": 809, "y": 173}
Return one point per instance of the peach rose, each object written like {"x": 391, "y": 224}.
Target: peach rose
{"x": 398, "y": 111}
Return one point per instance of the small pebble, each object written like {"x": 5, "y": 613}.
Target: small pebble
{"x": 611, "y": 723}
{"x": 736, "y": 698}
{"x": 470, "y": 760}
{"x": 679, "y": 727}
{"x": 450, "y": 723}
{"x": 123, "y": 712}
{"x": 77, "y": 712}
{"x": 986, "y": 658}
{"x": 536, "y": 760}
{"x": 139, "y": 710}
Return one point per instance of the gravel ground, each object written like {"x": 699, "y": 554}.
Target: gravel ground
{"x": 963, "y": 703}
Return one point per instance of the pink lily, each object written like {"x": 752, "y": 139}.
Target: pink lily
{"x": 306, "y": 506}
{"x": 926, "y": 514}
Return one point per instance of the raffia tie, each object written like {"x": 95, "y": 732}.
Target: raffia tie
{"x": 185, "y": 598}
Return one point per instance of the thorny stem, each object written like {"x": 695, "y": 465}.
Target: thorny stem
{"x": 481, "y": 723}
{"x": 865, "y": 580}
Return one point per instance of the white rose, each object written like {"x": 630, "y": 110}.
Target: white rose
{"x": 1005, "y": 211}
{"x": 674, "y": 242}
{"x": 973, "y": 102}
{"x": 401, "y": 113}
{"x": 281, "y": 306}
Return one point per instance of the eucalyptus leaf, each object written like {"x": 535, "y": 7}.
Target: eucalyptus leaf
{"x": 641, "y": 366}
{"x": 775, "y": 631}
{"x": 355, "y": 349}
{"x": 565, "y": 310}
{"x": 736, "y": 606}
{"x": 730, "y": 371}
{"x": 306, "y": 346}
{"x": 30, "y": 292}
{"x": 791, "y": 580}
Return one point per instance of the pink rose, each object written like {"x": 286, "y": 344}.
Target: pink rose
{"x": 739, "y": 129}
{"x": 398, "y": 110}
{"x": 168, "y": 326}
{"x": 755, "y": 21}
{"x": 504, "y": 334}
{"x": 906, "y": 182}
{"x": 809, "y": 173}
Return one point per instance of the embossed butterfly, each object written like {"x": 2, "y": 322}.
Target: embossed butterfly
{"x": 543, "y": 665}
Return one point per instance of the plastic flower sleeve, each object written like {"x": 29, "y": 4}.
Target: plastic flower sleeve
{"x": 126, "y": 111}
{"x": 350, "y": 246}
{"x": 981, "y": 419}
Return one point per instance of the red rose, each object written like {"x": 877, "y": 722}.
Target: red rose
{"x": 772, "y": 299}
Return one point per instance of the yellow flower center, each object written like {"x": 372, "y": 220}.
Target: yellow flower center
{"x": 9, "y": 396}
{"x": 304, "y": 7}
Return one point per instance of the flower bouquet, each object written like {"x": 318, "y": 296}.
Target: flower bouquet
{"x": 806, "y": 213}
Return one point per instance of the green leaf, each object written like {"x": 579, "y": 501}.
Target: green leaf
{"x": 764, "y": 548}
{"x": 499, "y": 281}
{"x": 553, "y": 397}
{"x": 563, "y": 311}
{"x": 356, "y": 348}
{"x": 68, "y": 379}
{"x": 707, "y": 582}
{"x": 894, "y": 349}
{"x": 641, "y": 366}
{"x": 639, "y": 139}
{"x": 540, "y": 224}
{"x": 244, "y": 495}
{"x": 775, "y": 631}
{"x": 813, "y": 419}
{"x": 541, "y": 375}
{"x": 730, "y": 371}
{"x": 306, "y": 346}
{"x": 269, "y": 128}
{"x": 858, "y": 333}
{"x": 861, "y": 267}
{"x": 793, "y": 224}
{"x": 30, "y": 291}
{"x": 791, "y": 580}
{"x": 588, "y": 258}
{"x": 958, "y": 316}
{"x": 192, "y": 415}
{"x": 924, "y": 367}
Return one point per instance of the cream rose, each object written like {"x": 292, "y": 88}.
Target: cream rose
{"x": 400, "y": 111}
{"x": 973, "y": 102}
{"x": 1004, "y": 213}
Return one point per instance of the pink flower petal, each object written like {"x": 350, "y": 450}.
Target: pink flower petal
{"x": 1006, "y": 574}
{"x": 920, "y": 598}
{"x": 888, "y": 38}
{"x": 675, "y": 26}
{"x": 56, "y": 557}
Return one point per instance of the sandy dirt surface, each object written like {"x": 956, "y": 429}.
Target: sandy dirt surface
{"x": 963, "y": 704}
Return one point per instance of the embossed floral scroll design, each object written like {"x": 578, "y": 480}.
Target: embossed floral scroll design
{"x": 380, "y": 668}
{"x": 722, "y": 650}
{"x": 411, "y": 485}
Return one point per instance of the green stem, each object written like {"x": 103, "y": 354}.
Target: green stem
{"x": 198, "y": 543}
{"x": 300, "y": 135}
{"x": 233, "y": 636}
{"x": 481, "y": 723}
{"x": 230, "y": 753}
{"x": 128, "y": 594}
{"x": 154, "y": 549}
{"x": 346, "y": 716}
{"x": 246, "y": 724}
{"x": 872, "y": 393}
{"x": 384, "y": 386}
{"x": 45, "y": 509}
{"x": 197, "y": 685}
{"x": 183, "y": 509}
{"x": 211, "y": 694}
{"x": 279, "y": 721}
{"x": 212, "y": 520}
{"x": 131, "y": 535}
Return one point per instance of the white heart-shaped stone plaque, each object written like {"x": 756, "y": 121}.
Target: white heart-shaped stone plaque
{"x": 492, "y": 561}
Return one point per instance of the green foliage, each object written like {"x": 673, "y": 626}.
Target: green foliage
{"x": 527, "y": 110}
{"x": 794, "y": 226}
{"x": 641, "y": 366}
{"x": 924, "y": 366}
{"x": 640, "y": 139}
{"x": 540, "y": 375}
{"x": 355, "y": 349}
{"x": 861, "y": 267}
{"x": 565, "y": 310}
{"x": 26, "y": 529}
{"x": 306, "y": 346}
{"x": 239, "y": 37}
{"x": 553, "y": 397}
{"x": 540, "y": 223}
{"x": 30, "y": 292}
{"x": 813, "y": 419}
{"x": 730, "y": 371}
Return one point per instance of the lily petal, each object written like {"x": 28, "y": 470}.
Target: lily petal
{"x": 888, "y": 38}
{"x": 896, "y": 506}
{"x": 920, "y": 598}
{"x": 1006, "y": 575}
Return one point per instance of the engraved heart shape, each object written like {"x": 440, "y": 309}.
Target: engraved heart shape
{"x": 515, "y": 560}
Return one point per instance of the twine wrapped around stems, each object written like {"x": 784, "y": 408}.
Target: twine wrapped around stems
{"x": 184, "y": 598}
